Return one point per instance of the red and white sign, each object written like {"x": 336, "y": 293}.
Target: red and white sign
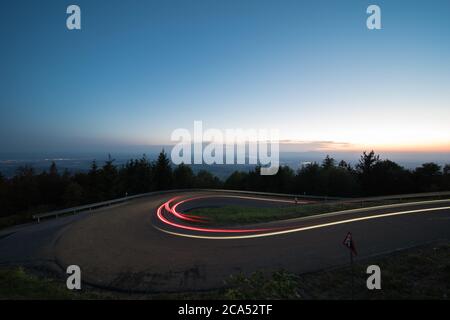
{"x": 348, "y": 242}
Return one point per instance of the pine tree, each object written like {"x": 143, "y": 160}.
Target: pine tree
{"x": 183, "y": 176}
{"x": 93, "y": 192}
{"x": 328, "y": 162}
{"x": 162, "y": 172}
{"x": 108, "y": 177}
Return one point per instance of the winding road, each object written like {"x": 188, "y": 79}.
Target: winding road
{"x": 156, "y": 244}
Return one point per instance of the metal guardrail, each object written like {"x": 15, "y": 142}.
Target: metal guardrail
{"x": 400, "y": 196}
{"x": 92, "y": 206}
{"x": 98, "y": 205}
{"x": 283, "y": 195}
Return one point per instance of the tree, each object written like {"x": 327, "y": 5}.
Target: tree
{"x": 446, "y": 169}
{"x": 283, "y": 181}
{"x": 365, "y": 171}
{"x": 205, "y": 179}
{"x": 237, "y": 180}
{"x": 108, "y": 179}
{"x": 183, "y": 176}
{"x": 24, "y": 192}
{"x": 309, "y": 180}
{"x": 328, "y": 162}
{"x": 93, "y": 184}
{"x": 73, "y": 195}
{"x": 3, "y": 198}
{"x": 428, "y": 177}
{"x": 343, "y": 164}
{"x": 367, "y": 161}
{"x": 162, "y": 172}
{"x": 53, "y": 171}
{"x": 339, "y": 181}
{"x": 51, "y": 186}
{"x": 144, "y": 175}
{"x": 254, "y": 180}
{"x": 135, "y": 177}
{"x": 446, "y": 178}
{"x": 390, "y": 178}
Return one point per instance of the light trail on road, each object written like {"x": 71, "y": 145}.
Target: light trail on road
{"x": 170, "y": 209}
{"x": 245, "y": 233}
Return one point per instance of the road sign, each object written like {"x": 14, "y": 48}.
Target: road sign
{"x": 348, "y": 242}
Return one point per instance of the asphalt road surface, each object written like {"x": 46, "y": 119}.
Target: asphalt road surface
{"x": 157, "y": 244}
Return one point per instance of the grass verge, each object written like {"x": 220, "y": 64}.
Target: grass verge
{"x": 17, "y": 283}
{"x": 419, "y": 273}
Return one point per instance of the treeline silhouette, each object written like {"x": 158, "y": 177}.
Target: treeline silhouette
{"x": 370, "y": 177}
{"x": 28, "y": 192}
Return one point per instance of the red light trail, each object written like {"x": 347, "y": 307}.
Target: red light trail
{"x": 167, "y": 211}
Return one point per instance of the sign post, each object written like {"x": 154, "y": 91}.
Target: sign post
{"x": 349, "y": 243}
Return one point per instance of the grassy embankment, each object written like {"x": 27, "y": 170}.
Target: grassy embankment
{"x": 235, "y": 215}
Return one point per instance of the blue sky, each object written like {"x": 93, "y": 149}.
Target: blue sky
{"x": 140, "y": 69}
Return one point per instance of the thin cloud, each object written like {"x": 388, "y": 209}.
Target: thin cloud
{"x": 300, "y": 145}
